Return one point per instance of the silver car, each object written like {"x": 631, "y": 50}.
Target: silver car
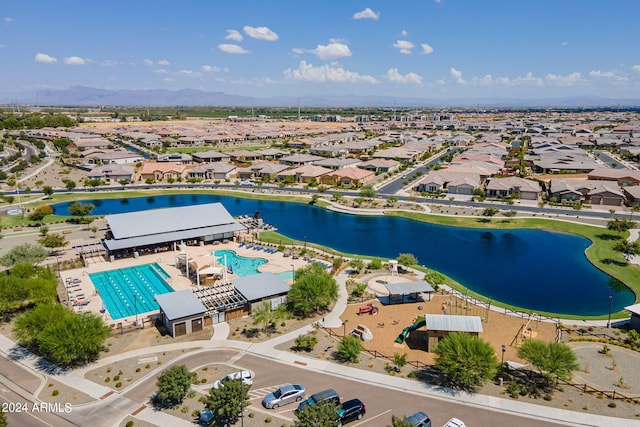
{"x": 286, "y": 394}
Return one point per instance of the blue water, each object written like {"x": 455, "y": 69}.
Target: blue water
{"x": 285, "y": 275}
{"x": 539, "y": 270}
{"x": 130, "y": 291}
{"x": 241, "y": 266}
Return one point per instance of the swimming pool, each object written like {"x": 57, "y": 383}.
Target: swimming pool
{"x": 242, "y": 266}
{"x": 130, "y": 291}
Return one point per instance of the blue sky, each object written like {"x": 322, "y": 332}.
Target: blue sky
{"x": 413, "y": 48}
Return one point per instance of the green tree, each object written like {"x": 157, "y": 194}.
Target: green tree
{"x": 336, "y": 196}
{"x": 227, "y": 403}
{"x": 510, "y": 214}
{"x": 375, "y": 264}
{"x": 313, "y": 291}
{"x": 368, "y": 192}
{"x": 627, "y": 248}
{"x": 81, "y": 209}
{"x": 490, "y": 212}
{"x": 61, "y": 336}
{"x": 25, "y": 253}
{"x": 53, "y": 241}
{"x": 317, "y": 416}
{"x": 69, "y": 184}
{"x": 173, "y": 385}
{"x": 306, "y": 342}
{"x": 349, "y": 349}
{"x": 3, "y": 418}
{"x": 407, "y": 260}
{"x": 266, "y": 315}
{"x": 314, "y": 199}
{"x": 357, "y": 264}
{"x": 620, "y": 224}
{"x": 392, "y": 200}
{"x": 47, "y": 190}
{"x": 465, "y": 360}
{"x": 550, "y": 359}
{"x": 40, "y": 213}
{"x": 399, "y": 360}
{"x": 400, "y": 422}
{"x": 25, "y": 285}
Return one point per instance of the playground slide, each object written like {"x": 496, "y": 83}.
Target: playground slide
{"x": 405, "y": 331}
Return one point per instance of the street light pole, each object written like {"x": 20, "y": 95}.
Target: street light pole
{"x": 610, "y": 307}
{"x": 344, "y": 328}
{"x": 504, "y": 348}
{"x": 293, "y": 272}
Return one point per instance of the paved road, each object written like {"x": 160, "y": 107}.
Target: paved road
{"x": 609, "y": 160}
{"x": 381, "y": 401}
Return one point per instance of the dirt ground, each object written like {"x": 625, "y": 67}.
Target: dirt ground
{"x": 498, "y": 329}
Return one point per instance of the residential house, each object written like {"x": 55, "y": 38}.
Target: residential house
{"x": 594, "y": 192}
{"x": 160, "y": 171}
{"x": 215, "y": 171}
{"x": 380, "y": 165}
{"x": 335, "y": 164}
{"x": 114, "y": 172}
{"x": 210, "y": 157}
{"x": 348, "y": 177}
{"x": 451, "y": 182}
{"x": 525, "y": 189}
{"x": 299, "y": 159}
{"x": 306, "y": 173}
{"x": 623, "y": 177}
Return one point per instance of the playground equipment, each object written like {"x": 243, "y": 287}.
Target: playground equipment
{"x": 403, "y": 335}
{"x": 369, "y": 308}
{"x": 524, "y": 332}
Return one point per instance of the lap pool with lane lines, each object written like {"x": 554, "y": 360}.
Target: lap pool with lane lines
{"x": 130, "y": 291}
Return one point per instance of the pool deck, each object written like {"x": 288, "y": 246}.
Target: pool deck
{"x": 82, "y": 288}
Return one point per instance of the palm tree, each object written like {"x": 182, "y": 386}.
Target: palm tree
{"x": 627, "y": 248}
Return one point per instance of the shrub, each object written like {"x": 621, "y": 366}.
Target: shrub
{"x": 306, "y": 342}
{"x": 268, "y": 420}
{"x": 612, "y": 405}
{"x": 55, "y": 393}
{"x": 129, "y": 423}
{"x": 116, "y": 378}
{"x": 137, "y": 369}
{"x": 118, "y": 384}
{"x": 107, "y": 379}
{"x": 251, "y": 414}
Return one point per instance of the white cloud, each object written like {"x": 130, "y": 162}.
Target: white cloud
{"x": 404, "y": 46}
{"x": 486, "y": 80}
{"x": 234, "y": 35}
{"x": 74, "y": 60}
{"x": 457, "y": 76}
{"x": 148, "y": 62}
{"x": 564, "y": 44}
{"x": 210, "y": 69}
{"x": 188, "y": 73}
{"x": 410, "y": 78}
{"x": 164, "y": 62}
{"x": 636, "y": 68}
{"x": 7, "y": 20}
{"x": 367, "y": 13}
{"x": 440, "y": 82}
{"x": 110, "y": 63}
{"x": 232, "y": 48}
{"x": 568, "y": 80}
{"x": 426, "y": 49}
{"x": 160, "y": 71}
{"x": 609, "y": 75}
{"x": 260, "y": 33}
{"x": 331, "y": 51}
{"x": 326, "y": 73}
{"x": 168, "y": 79}
{"x": 45, "y": 59}
{"x": 297, "y": 51}
{"x": 404, "y": 33}
{"x": 527, "y": 80}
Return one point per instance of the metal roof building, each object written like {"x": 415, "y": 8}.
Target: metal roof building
{"x": 258, "y": 287}
{"x": 205, "y": 223}
{"x": 181, "y": 312}
{"x": 449, "y": 323}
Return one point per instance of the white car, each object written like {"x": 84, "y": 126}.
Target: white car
{"x": 245, "y": 376}
{"x": 454, "y": 422}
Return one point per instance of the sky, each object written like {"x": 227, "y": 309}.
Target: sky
{"x": 440, "y": 49}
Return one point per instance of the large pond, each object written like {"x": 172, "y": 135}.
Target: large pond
{"x": 539, "y": 270}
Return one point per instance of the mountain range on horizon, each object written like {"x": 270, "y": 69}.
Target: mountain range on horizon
{"x": 88, "y": 96}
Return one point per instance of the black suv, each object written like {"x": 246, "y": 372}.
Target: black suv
{"x": 350, "y": 410}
